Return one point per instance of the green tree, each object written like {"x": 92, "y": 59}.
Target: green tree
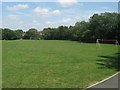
{"x": 63, "y": 32}
{"x": 1, "y": 33}
{"x": 81, "y": 27}
{"x": 31, "y": 34}
{"x": 104, "y": 25}
{"x": 19, "y": 34}
{"x": 8, "y": 34}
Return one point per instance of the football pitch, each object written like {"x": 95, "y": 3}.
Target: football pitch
{"x": 56, "y": 63}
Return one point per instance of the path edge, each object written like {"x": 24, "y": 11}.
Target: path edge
{"x": 102, "y": 80}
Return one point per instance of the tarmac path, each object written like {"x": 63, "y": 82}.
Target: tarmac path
{"x": 111, "y": 83}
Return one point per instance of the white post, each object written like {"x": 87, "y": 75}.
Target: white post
{"x": 117, "y": 43}
{"x": 97, "y": 42}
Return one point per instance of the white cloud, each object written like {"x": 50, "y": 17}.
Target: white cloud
{"x": 45, "y": 12}
{"x": 65, "y": 21}
{"x": 13, "y": 17}
{"x": 66, "y": 3}
{"x": 49, "y": 23}
{"x": 56, "y": 12}
{"x": 77, "y": 17}
{"x": 41, "y": 10}
{"x": 80, "y": 4}
{"x": 104, "y": 7}
{"x": 34, "y": 21}
{"x": 12, "y": 21}
{"x": 22, "y": 14}
{"x": 18, "y": 7}
{"x": 68, "y": 20}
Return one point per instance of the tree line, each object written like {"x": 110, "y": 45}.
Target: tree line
{"x": 8, "y": 34}
{"x": 100, "y": 26}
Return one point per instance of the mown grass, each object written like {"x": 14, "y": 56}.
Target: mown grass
{"x": 53, "y": 64}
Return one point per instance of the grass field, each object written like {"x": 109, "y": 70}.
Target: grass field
{"x": 54, "y": 64}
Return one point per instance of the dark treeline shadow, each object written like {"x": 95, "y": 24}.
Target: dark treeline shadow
{"x": 109, "y": 62}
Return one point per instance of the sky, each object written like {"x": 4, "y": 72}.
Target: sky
{"x": 40, "y": 15}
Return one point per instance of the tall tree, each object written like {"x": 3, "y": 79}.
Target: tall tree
{"x": 8, "y": 34}
{"x": 19, "y": 34}
{"x": 104, "y": 25}
{"x": 81, "y": 27}
{"x": 31, "y": 34}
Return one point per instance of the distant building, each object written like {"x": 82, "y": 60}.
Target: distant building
{"x": 40, "y": 32}
{"x": 23, "y": 34}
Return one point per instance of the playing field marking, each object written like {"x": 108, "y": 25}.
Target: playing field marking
{"x": 102, "y": 81}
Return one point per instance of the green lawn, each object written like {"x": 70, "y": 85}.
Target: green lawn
{"x": 54, "y": 64}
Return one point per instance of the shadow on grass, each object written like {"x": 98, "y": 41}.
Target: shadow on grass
{"x": 109, "y": 62}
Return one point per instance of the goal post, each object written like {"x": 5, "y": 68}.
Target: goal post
{"x": 104, "y": 40}
{"x": 97, "y": 43}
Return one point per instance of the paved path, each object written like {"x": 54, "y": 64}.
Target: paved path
{"x": 111, "y": 82}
